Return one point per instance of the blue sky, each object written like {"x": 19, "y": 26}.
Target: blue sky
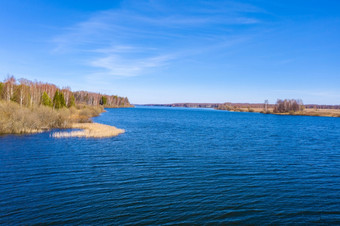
{"x": 171, "y": 51}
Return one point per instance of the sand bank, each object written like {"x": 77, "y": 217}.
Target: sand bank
{"x": 94, "y": 130}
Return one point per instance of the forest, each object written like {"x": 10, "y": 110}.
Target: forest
{"x": 28, "y": 93}
{"x": 30, "y": 107}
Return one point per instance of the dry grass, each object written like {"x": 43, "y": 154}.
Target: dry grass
{"x": 323, "y": 112}
{"x": 90, "y": 130}
{"x": 84, "y": 113}
{"x": 18, "y": 120}
{"x": 313, "y": 112}
{"x": 306, "y": 112}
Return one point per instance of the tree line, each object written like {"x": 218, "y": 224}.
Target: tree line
{"x": 318, "y": 106}
{"x": 28, "y": 93}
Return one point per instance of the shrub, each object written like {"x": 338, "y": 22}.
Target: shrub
{"x": 288, "y": 106}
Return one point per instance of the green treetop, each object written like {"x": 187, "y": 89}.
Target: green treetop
{"x": 103, "y": 100}
{"x": 46, "y": 100}
{"x": 59, "y": 100}
{"x": 72, "y": 101}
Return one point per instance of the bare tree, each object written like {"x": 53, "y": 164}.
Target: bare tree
{"x": 9, "y": 87}
{"x": 284, "y": 106}
{"x": 30, "y": 93}
{"x": 266, "y": 102}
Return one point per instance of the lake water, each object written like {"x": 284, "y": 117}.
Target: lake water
{"x": 174, "y": 166}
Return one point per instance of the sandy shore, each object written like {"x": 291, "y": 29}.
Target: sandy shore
{"x": 94, "y": 130}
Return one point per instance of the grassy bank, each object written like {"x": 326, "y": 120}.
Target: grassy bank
{"x": 305, "y": 112}
{"x": 284, "y": 107}
{"x": 16, "y": 119}
{"x": 313, "y": 112}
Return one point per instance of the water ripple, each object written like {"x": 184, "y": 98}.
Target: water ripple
{"x": 177, "y": 166}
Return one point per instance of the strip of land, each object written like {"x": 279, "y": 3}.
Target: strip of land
{"x": 306, "y": 110}
{"x": 90, "y": 130}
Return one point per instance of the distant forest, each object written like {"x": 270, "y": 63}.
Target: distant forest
{"x": 241, "y": 105}
{"x": 28, "y": 93}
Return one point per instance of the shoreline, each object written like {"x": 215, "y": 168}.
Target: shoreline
{"x": 320, "y": 113}
{"x": 20, "y": 120}
{"x": 334, "y": 113}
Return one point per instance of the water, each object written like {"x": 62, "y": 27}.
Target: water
{"x": 174, "y": 166}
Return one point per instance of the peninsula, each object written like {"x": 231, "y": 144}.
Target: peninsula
{"x": 32, "y": 107}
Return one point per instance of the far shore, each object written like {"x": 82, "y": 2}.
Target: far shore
{"x": 256, "y": 108}
{"x": 306, "y": 112}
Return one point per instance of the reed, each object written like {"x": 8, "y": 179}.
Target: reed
{"x": 90, "y": 130}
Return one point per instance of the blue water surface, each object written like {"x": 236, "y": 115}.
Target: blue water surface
{"x": 175, "y": 166}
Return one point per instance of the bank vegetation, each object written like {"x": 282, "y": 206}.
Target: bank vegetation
{"x": 284, "y": 107}
{"x": 30, "y": 107}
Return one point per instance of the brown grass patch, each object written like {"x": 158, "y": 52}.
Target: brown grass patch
{"x": 90, "y": 130}
{"x": 16, "y": 119}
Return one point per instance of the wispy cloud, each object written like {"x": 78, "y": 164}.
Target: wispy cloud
{"x": 118, "y": 49}
{"x": 115, "y": 65}
{"x": 110, "y": 40}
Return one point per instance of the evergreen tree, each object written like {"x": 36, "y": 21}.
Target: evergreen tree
{"x": 58, "y": 100}
{"x": 62, "y": 99}
{"x": 72, "y": 101}
{"x": 103, "y": 100}
{"x": 46, "y": 100}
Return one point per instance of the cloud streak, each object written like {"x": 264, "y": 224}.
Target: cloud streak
{"x": 115, "y": 65}
{"x": 110, "y": 40}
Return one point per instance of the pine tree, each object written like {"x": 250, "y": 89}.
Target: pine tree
{"x": 72, "y": 101}
{"x": 103, "y": 100}
{"x": 46, "y": 100}
{"x": 58, "y": 100}
{"x": 62, "y": 99}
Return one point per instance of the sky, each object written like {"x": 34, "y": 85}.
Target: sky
{"x": 175, "y": 51}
